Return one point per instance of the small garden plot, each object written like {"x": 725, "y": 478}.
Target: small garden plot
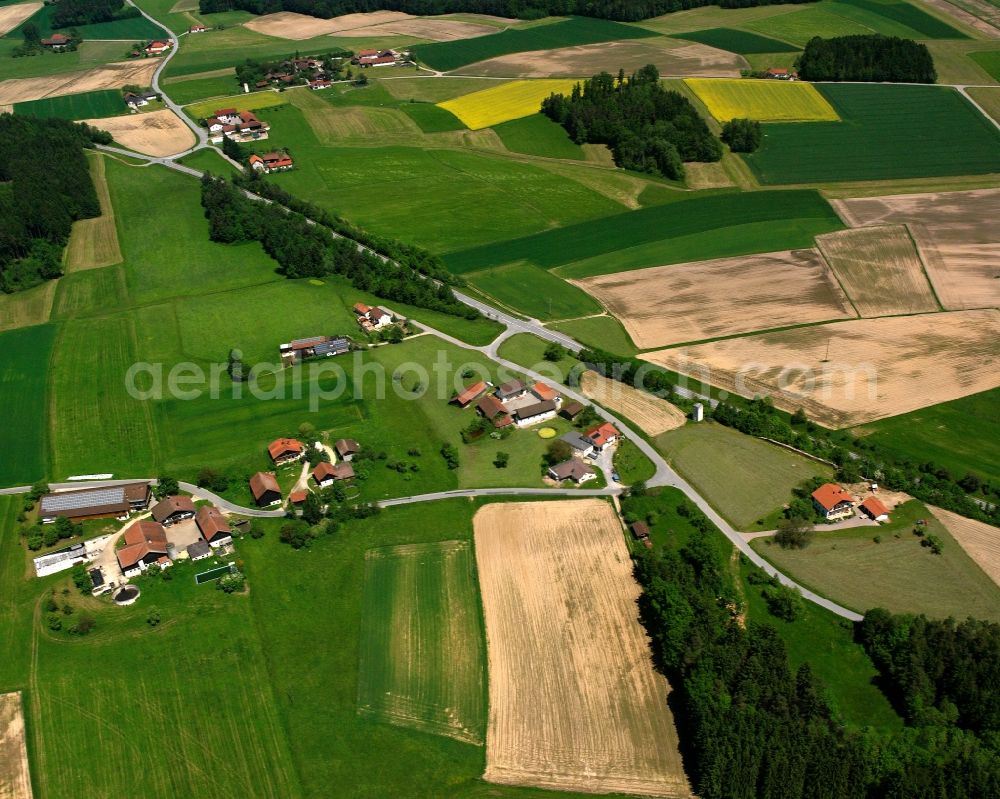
{"x": 880, "y": 269}
{"x": 848, "y": 373}
{"x": 667, "y": 305}
{"x": 737, "y": 41}
{"x": 763, "y": 100}
{"x": 422, "y": 641}
{"x": 519, "y": 98}
{"x": 887, "y": 132}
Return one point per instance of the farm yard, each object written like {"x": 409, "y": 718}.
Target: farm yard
{"x": 744, "y": 478}
{"x": 896, "y": 573}
{"x": 880, "y": 269}
{"x": 765, "y": 101}
{"x": 558, "y": 600}
{"x": 957, "y": 236}
{"x": 666, "y": 305}
{"x": 857, "y": 371}
{"x": 422, "y": 646}
{"x": 886, "y": 132}
{"x": 650, "y": 414}
{"x": 157, "y": 133}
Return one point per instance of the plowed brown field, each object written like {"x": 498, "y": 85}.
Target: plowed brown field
{"x": 574, "y": 701}
{"x": 14, "y": 780}
{"x": 665, "y": 305}
{"x": 849, "y": 373}
{"x": 958, "y": 236}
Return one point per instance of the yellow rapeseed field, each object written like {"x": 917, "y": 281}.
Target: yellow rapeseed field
{"x": 763, "y": 100}
{"x": 241, "y": 102}
{"x": 519, "y": 98}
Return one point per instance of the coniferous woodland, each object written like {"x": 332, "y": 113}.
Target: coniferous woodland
{"x": 45, "y": 186}
{"x": 622, "y": 10}
{"x": 648, "y": 128}
{"x": 873, "y": 58}
{"x": 309, "y": 250}
{"x": 751, "y": 727}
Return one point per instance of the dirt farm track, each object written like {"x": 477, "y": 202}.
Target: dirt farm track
{"x": 574, "y": 701}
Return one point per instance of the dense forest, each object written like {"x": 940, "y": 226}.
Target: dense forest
{"x": 70, "y": 13}
{"x": 45, "y": 186}
{"x": 309, "y": 250}
{"x": 621, "y": 10}
{"x": 872, "y": 58}
{"x": 752, "y": 728}
{"x": 648, "y": 128}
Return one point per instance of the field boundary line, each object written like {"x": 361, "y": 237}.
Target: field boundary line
{"x": 923, "y": 265}
{"x": 829, "y": 266}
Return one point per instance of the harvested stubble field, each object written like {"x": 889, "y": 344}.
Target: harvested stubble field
{"x": 848, "y": 373}
{"x": 289, "y": 25}
{"x": 94, "y": 242}
{"x": 431, "y": 28}
{"x": 15, "y": 782}
{"x": 422, "y": 640}
{"x": 763, "y": 100}
{"x": 26, "y": 308}
{"x": 958, "y": 237}
{"x": 519, "y": 98}
{"x": 669, "y": 56}
{"x": 651, "y": 414}
{"x": 157, "y": 133}
{"x": 665, "y": 305}
{"x": 981, "y": 541}
{"x": 107, "y": 76}
{"x": 574, "y": 701}
{"x": 880, "y": 269}
{"x": 12, "y": 16}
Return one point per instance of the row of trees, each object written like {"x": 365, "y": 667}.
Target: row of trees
{"x": 70, "y": 13}
{"x": 873, "y": 58}
{"x": 625, "y": 10}
{"x": 45, "y": 186}
{"x": 753, "y": 728}
{"x": 648, "y": 128}
{"x": 308, "y": 250}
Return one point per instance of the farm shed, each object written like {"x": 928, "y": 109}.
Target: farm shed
{"x": 874, "y": 509}
{"x": 173, "y": 509}
{"x": 346, "y": 448}
{"x": 570, "y": 410}
{"x": 469, "y": 393}
{"x": 95, "y": 503}
{"x": 265, "y": 489}
{"x": 536, "y": 412}
{"x": 213, "y": 525}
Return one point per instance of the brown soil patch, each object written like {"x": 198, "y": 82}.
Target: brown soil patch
{"x": 574, "y": 701}
{"x": 289, "y": 25}
{"x": 670, "y": 57}
{"x": 651, "y": 414}
{"x": 157, "y": 133}
{"x": 880, "y": 270}
{"x": 980, "y": 541}
{"x": 849, "y": 373}
{"x": 107, "y": 76}
{"x": 12, "y": 16}
{"x": 94, "y": 242}
{"x": 665, "y": 305}
{"x": 14, "y": 780}
{"x": 707, "y": 175}
{"x": 958, "y": 237}
{"x": 432, "y": 29}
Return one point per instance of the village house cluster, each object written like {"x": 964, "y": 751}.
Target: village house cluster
{"x": 146, "y": 542}
{"x": 284, "y": 451}
{"x": 271, "y": 162}
{"x": 240, "y": 126}
{"x": 376, "y": 58}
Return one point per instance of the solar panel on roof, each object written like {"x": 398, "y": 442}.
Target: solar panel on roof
{"x": 83, "y": 499}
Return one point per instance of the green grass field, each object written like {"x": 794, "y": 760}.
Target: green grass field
{"x": 529, "y": 351}
{"x": 423, "y": 656}
{"x": 23, "y": 387}
{"x": 603, "y": 332}
{"x": 209, "y": 159}
{"x": 575, "y": 31}
{"x": 88, "y": 105}
{"x": 632, "y": 466}
{"x": 533, "y": 291}
{"x": 887, "y": 132}
{"x": 241, "y": 102}
{"x": 988, "y": 60}
{"x": 430, "y": 118}
{"x": 799, "y": 27}
{"x": 90, "y": 291}
{"x": 89, "y": 54}
{"x": 190, "y": 91}
{"x": 661, "y": 230}
{"x": 538, "y": 135}
{"x": 962, "y": 435}
{"x": 737, "y": 41}
{"x": 745, "y": 479}
{"x": 898, "y": 574}
{"x": 894, "y": 18}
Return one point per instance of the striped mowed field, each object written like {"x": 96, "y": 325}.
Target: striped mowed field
{"x": 422, "y": 646}
{"x": 763, "y": 100}
{"x": 519, "y": 98}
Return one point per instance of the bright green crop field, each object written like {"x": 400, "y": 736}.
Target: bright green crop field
{"x": 886, "y": 132}
{"x": 737, "y": 41}
{"x": 574, "y": 31}
{"x": 534, "y": 291}
{"x": 88, "y": 105}
{"x": 431, "y": 118}
{"x": 538, "y": 135}
{"x": 780, "y": 220}
{"x": 24, "y": 433}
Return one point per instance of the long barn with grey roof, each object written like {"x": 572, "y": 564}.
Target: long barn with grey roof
{"x": 95, "y": 503}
